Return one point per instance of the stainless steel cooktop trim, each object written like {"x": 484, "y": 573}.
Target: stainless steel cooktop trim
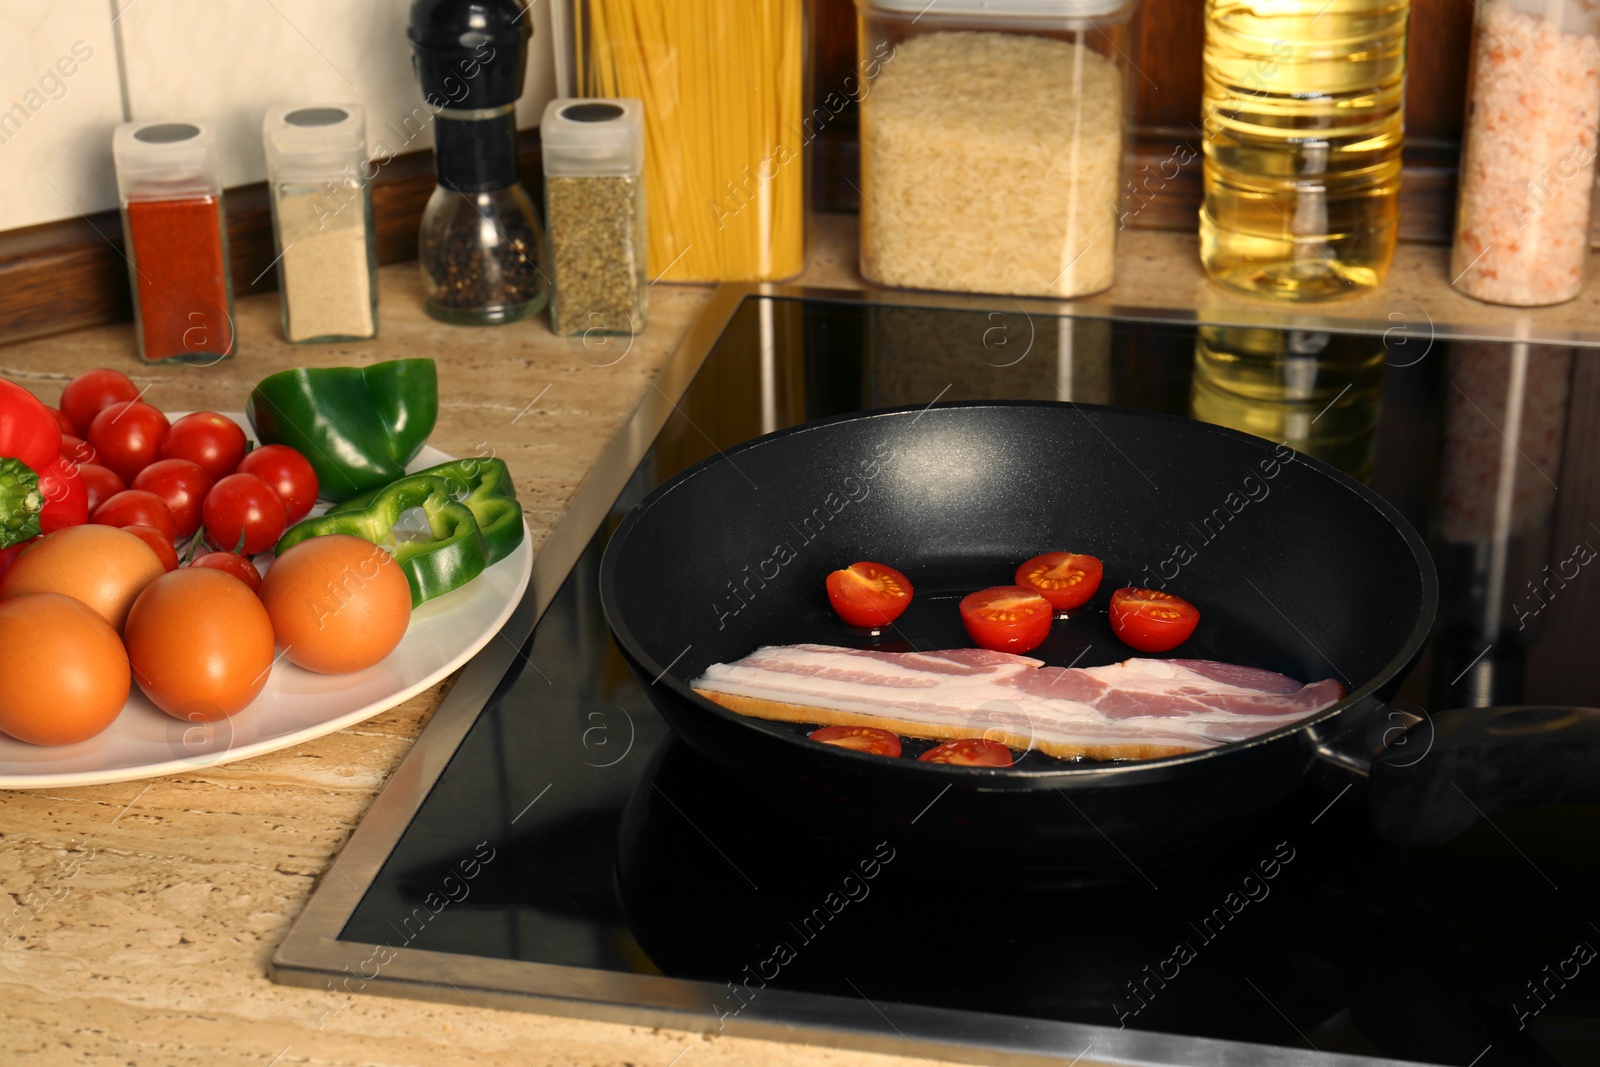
{"x": 313, "y": 956}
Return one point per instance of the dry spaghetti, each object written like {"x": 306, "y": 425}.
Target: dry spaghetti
{"x": 724, "y": 136}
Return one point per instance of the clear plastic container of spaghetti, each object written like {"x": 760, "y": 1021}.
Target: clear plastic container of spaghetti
{"x": 992, "y": 136}
{"x": 726, "y": 127}
{"x": 1528, "y": 165}
{"x": 176, "y": 236}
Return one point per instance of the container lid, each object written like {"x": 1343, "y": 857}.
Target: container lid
{"x": 165, "y": 160}
{"x": 470, "y": 55}
{"x": 595, "y": 136}
{"x": 315, "y": 139}
{"x": 1069, "y": 10}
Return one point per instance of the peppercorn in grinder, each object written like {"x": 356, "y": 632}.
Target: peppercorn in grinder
{"x": 480, "y": 242}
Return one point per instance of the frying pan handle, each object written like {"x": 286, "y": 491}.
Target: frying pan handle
{"x": 1469, "y": 765}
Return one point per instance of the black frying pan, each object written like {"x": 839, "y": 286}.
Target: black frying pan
{"x": 1295, "y": 567}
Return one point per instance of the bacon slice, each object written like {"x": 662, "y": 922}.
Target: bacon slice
{"x": 1136, "y": 709}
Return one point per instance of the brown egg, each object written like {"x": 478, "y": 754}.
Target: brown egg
{"x": 66, "y": 674}
{"x": 200, "y": 644}
{"x": 102, "y": 566}
{"x": 337, "y": 603}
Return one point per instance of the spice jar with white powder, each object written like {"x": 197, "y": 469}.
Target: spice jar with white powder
{"x": 1528, "y": 165}
{"x": 992, "y": 139}
{"x": 322, "y": 222}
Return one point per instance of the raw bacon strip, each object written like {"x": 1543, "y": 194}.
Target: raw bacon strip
{"x": 1139, "y": 708}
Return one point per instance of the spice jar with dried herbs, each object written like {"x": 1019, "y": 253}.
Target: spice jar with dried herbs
{"x": 594, "y": 210}
{"x": 177, "y": 244}
{"x": 322, "y": 222}
{"x": 480, "y": 242}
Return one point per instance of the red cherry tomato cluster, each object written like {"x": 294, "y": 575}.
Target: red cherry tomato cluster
{"x": 107, "y": 457}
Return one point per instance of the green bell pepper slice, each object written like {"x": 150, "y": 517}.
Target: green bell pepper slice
{"x": 358, "y": 426}
{"x": 442, "y": 554}
{"x": 483, "y": 484}
{"x": 21, "y": 501}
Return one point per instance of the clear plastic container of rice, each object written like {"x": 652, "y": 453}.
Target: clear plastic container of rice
{"x": 992, "y": 143}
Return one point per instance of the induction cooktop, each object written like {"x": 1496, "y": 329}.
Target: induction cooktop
{"x": 549, "y": 845}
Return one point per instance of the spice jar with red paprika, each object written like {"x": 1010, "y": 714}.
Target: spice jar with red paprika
{"x": 177, "y": 246}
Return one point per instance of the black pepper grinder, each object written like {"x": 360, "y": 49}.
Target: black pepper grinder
{"x": 480, "y": 240}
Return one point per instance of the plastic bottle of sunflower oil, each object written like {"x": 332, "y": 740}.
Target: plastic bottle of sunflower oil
{"x": 1303, "y": 105}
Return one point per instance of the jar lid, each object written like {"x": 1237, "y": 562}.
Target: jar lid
{"x": 594, "y": 136}
{"x": 470, "y": 55}
{"x": 318, "y": 139}
{"x": 1066, "y": 10}
{"x": 165, "y": 160}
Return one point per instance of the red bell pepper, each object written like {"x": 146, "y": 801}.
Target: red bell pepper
{"x": 47, "y": 494}
{"x": 66, "y": 498}
{"x": 27, "y": 429}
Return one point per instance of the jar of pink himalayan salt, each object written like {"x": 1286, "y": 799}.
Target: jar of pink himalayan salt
{"x": 1528, "y": 162}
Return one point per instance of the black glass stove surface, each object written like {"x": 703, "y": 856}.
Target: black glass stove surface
{"x": 571, "y": 828}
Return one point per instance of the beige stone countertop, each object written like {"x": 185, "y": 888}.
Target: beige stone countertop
{"x": 139, "y": 917}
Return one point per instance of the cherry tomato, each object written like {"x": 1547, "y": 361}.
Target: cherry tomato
{"x": 136, "y": 507}
{"x": 90, "y": 392}
{"x": 288, "y": 472}
{"x": 161, "y": 545}
{"x": 859, "y": 739}
{"x": 7, "y": 555}
{"x": 243, "y": 504}
{"x": 213, "y": 441}
{"x": 1150, "y": 620}
{"x": 1006, "y": 618}
{"x": 62, "y": 421}
{"x": 969, "y": 752}
{"x": 101, "y": 483}
{"x": 229, "y": 563}
{"x": 77, "y": 449}
{"x": 1066, "y": 579}
{"x": 128, "y": 436}
{"x": 183, "y": 485}
{"x": 66, "y": 499}
{"x": 869, "y": 594}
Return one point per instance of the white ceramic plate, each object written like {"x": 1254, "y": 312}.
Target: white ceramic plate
{"x": 296, "y": 705}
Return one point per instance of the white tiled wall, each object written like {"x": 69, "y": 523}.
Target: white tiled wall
{"x": 59, "y": 99}
{"x": 220, "y": 60}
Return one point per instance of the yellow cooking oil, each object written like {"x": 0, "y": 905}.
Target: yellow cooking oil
{"x": 1317, "y": 391}
{"x": 1303, "y": 106}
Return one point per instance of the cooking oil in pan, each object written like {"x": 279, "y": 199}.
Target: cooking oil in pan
{"x": 1319, "y": 392}
{"x": 1302, "y": 108}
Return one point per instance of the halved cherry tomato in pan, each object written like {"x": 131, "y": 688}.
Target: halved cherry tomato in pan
{"x": 859, "y": 739}
{"x": 1150, "y": 620}
{"x": 1066, "y": 579}
{"x": 1007, "y": 618}
{"x": 969, "y": 752}
{"x": 869, "y": 594}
